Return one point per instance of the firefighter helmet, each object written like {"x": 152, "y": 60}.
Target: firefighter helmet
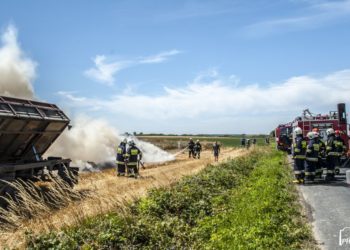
{"x": 310, "y": 135}
{"x": 125, "y": 141}
{"x": 298, "y": 131}
{"x": 131, "y": 143}
{"x": 330, "y": 131}
{"x": 316, "y": 134}
{"x": 337, "y": 132}
{"x": 197, "y": 141}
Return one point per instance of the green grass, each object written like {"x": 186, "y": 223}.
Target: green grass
{"x": 246, "y": 203}
{"x": 263, "y": 213}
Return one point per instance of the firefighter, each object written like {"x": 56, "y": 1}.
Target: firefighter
{"x": 267, "y": 140}
{"x": 341, "y": 149}
{"x": 312, "y": 152}
{"x": 254, "y": 141}
{"x": 332, "y": 155}
{"x": 197, "y": 149}
{"x": 216, "y": 151}
{"x": 243, "y": 141}
{"x": 133, "y": 156}
{"x": 299, "y": 150}
{"x": 121, "y": 151}
{"x": 191, "y": 148}
{"x": 321, "y": 153}
{"x": 248, "y": 143}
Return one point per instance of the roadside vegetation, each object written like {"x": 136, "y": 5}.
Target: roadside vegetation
{"x": 245, "y": 203}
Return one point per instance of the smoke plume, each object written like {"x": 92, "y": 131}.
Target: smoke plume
{"x": 17, "y": 71}
{"x": 94, "y": 140}
{"x": 152, "y": 153}
{"x": 87, "y": 140}
{"x": 90, "y": 140}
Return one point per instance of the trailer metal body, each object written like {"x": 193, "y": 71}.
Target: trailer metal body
{"x": 27, "y": 130}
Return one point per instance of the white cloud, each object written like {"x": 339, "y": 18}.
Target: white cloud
{"x": 223, "y": 99}
{"x": 317, "y": 14}
{"x": 161, "y": 57}
{"x": 105, "y": 72}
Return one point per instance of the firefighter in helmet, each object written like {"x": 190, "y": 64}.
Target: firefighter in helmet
{"x": 197, "y": 149}
{"x": 332, "y": 155}
{"x": 321, "y": 153}
{"x": 340, "y": 148}
{"x": 191, "y": 148}
{"x": 133, "y": 156}
{"x": 121, "y": 152}
{"x": 312, "y": 152}
{"x": 299, "y": 150}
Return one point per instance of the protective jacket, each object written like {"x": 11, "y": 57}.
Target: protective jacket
{"x": 198, "y": 146}
{"x": 216, "y": 149}
{"x": 339, "y": 144}
{"x": 191, "y": 145}
{"x": 121, "y": 153}
{"x": 299, "y": 148}
{"x": 312, "y": 150}
{"x": 133, "y": 155}
{"x": 334, "y": 146}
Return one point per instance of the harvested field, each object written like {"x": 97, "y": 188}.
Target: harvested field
{"x": 177, "y": 142}
{"x": 106, "y": 192}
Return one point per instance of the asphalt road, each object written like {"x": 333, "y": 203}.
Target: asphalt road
{"x": 328, "y": 205}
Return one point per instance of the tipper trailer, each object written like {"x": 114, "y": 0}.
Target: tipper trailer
{"x": 27, "y": 130}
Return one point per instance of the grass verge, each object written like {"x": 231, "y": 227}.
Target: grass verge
{"x": 246, "y": 203}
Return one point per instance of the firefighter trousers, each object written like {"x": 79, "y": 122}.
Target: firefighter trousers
{"x": 121, "y": 168}
{"x": 319, "y": 167}
{"x": 337, "y": 165}
{"x": 132, "y": 169}
{"x": 191, "y": 153}
{"x": 332, "y": 161}
{"x": 310, "y": 170}
{"x": 299, "y": 168}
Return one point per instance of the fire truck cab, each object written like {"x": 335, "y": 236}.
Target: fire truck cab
{"x": 283, "y": 135}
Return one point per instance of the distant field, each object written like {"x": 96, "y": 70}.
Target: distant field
{"x": 175, "y": 142}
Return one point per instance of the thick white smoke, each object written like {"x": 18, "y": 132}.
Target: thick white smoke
{"x": 90, "y": 140}
{"x": 17, "y": 71}
{"x": 152, "y": 153}
{"x": 94, "y": 140}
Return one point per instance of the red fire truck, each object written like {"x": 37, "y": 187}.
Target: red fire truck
{"x": 335, "y": 119}
{"x": 308, "y": 121}
{"x": 283, "y": 136}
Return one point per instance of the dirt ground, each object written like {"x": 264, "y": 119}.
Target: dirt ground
{"x": 107, "y": 192}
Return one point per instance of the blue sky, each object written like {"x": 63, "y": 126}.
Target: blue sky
{"x": 186, "y": 66}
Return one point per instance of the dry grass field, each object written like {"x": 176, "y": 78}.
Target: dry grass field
{"x": 98, "y": 193}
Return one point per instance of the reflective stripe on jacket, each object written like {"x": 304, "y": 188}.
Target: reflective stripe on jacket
{"x": 133, "y": 154}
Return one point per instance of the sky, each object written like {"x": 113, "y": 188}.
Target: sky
{"x": 185, "y": 66}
